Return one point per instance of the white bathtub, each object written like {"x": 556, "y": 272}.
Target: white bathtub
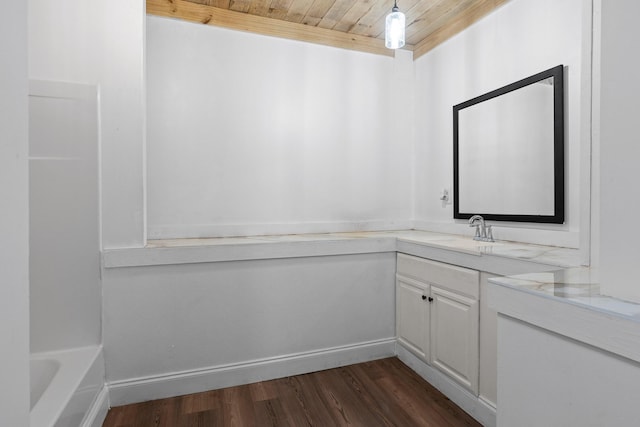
{"x": 65, "y": 386}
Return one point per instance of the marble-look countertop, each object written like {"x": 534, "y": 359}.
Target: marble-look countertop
{"x": 576, "y": 286}
{"x": 550, "y": 255}
{"x": 282, "y": 246}
{"x": 568, "y": 302}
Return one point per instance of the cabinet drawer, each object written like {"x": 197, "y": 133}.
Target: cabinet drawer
{"x": 457, "y": 279}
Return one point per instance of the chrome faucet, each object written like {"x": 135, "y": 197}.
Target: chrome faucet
{"x": 483, "y": 232}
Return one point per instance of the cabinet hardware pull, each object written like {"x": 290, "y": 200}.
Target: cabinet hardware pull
{"x": 424, "y": 297}
{"x": 430, "y": 299}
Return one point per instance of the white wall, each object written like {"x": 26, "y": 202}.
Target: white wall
{"x": 250, "y": 134}
{"x": 64, "y": 247}
{"x": 166, "y": 320}
{"x": 619, "y": 149}
{"x": 363, "y": 186}
{"x": 14, "y": 218}
{"x": 519, "y": 39}
{"x": 101, "y": 42}
{"x": 547, "y": 379}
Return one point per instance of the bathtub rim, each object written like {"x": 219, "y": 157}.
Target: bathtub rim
{"x": 75, "y": 364}
{"x": 48, "y": 368}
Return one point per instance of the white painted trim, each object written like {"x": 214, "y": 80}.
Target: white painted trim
{"x": 251, "y": 250}
{"x": 98, "y": 411}
{"x": 471, "y": 404}
{"x": 596, "y": 82}
{"x": 586, "y": 133}
{"x": 182, "y": 231}
{"x": 179, "y": 383}
{"x": 145, "y": 174}
{"x": 486, "y": 402}
{"x": 100, "y": 171}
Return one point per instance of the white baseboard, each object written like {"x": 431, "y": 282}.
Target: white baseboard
{"x": 483, "y": 413}
{"x": 98, "y": 412}
{"x": 216, "y": 377}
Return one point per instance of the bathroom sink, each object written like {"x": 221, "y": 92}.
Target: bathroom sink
{"x": 466, "y": 244}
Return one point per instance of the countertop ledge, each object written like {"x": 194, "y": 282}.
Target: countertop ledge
{"x": 189, "y": 251}
{"x": 568, "y": 302}
{"x": 576, "y": 286}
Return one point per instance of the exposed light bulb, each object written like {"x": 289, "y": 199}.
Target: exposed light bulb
{"x": 394, "y": 29}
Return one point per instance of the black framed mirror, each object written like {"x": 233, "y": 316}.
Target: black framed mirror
{"x": 508, "y": 152}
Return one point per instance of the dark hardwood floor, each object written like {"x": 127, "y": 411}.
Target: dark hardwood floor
{"x": 379, "y": 393}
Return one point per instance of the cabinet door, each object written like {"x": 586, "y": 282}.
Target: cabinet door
{"x": 454, "y": 336}
{"x": 412, "y": 315}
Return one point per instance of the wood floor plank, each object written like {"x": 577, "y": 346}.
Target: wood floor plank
{"x": 263, "y": 390}
{"x": 440, "y": 404}
{"x": 301, "y": 397}
{"x": 200, "y": 402}
{"x": 238, "y": 407}
{"x": 379, "y": 393}
{"x": 211, "y": 418}
{"x": 269, "y": 413}
{"x": 346, "y": 405}
{"x": 390, "y": 408}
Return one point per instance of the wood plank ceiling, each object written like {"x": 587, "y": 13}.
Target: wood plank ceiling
{"x": 348, "y": 24}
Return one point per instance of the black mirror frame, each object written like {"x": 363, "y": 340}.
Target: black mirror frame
{"x": 557, "y": 73}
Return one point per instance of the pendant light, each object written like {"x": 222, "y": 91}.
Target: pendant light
{"x": 394, "y": 28}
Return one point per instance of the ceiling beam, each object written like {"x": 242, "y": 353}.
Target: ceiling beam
{"x": 209, "y": 15}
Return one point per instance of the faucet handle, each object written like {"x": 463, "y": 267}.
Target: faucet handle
{"x": 489, "y": 234}
{"x": 477, "y": 236}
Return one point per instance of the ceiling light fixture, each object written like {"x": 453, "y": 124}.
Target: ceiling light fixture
{"x": 394, "y": 28}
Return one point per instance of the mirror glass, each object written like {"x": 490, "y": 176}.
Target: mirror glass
{"x": 508, "y": 152}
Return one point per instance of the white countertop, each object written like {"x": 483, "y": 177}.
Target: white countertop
{"x": 569, "y": 303}
{"x": 178, "y": 251}
{"x": 576, "y": 286}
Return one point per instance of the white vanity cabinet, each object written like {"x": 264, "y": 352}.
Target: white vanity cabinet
{"x": 488, "y": 389}
{"x": 437, "y": 316}
{"x": 412, "y": 315}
